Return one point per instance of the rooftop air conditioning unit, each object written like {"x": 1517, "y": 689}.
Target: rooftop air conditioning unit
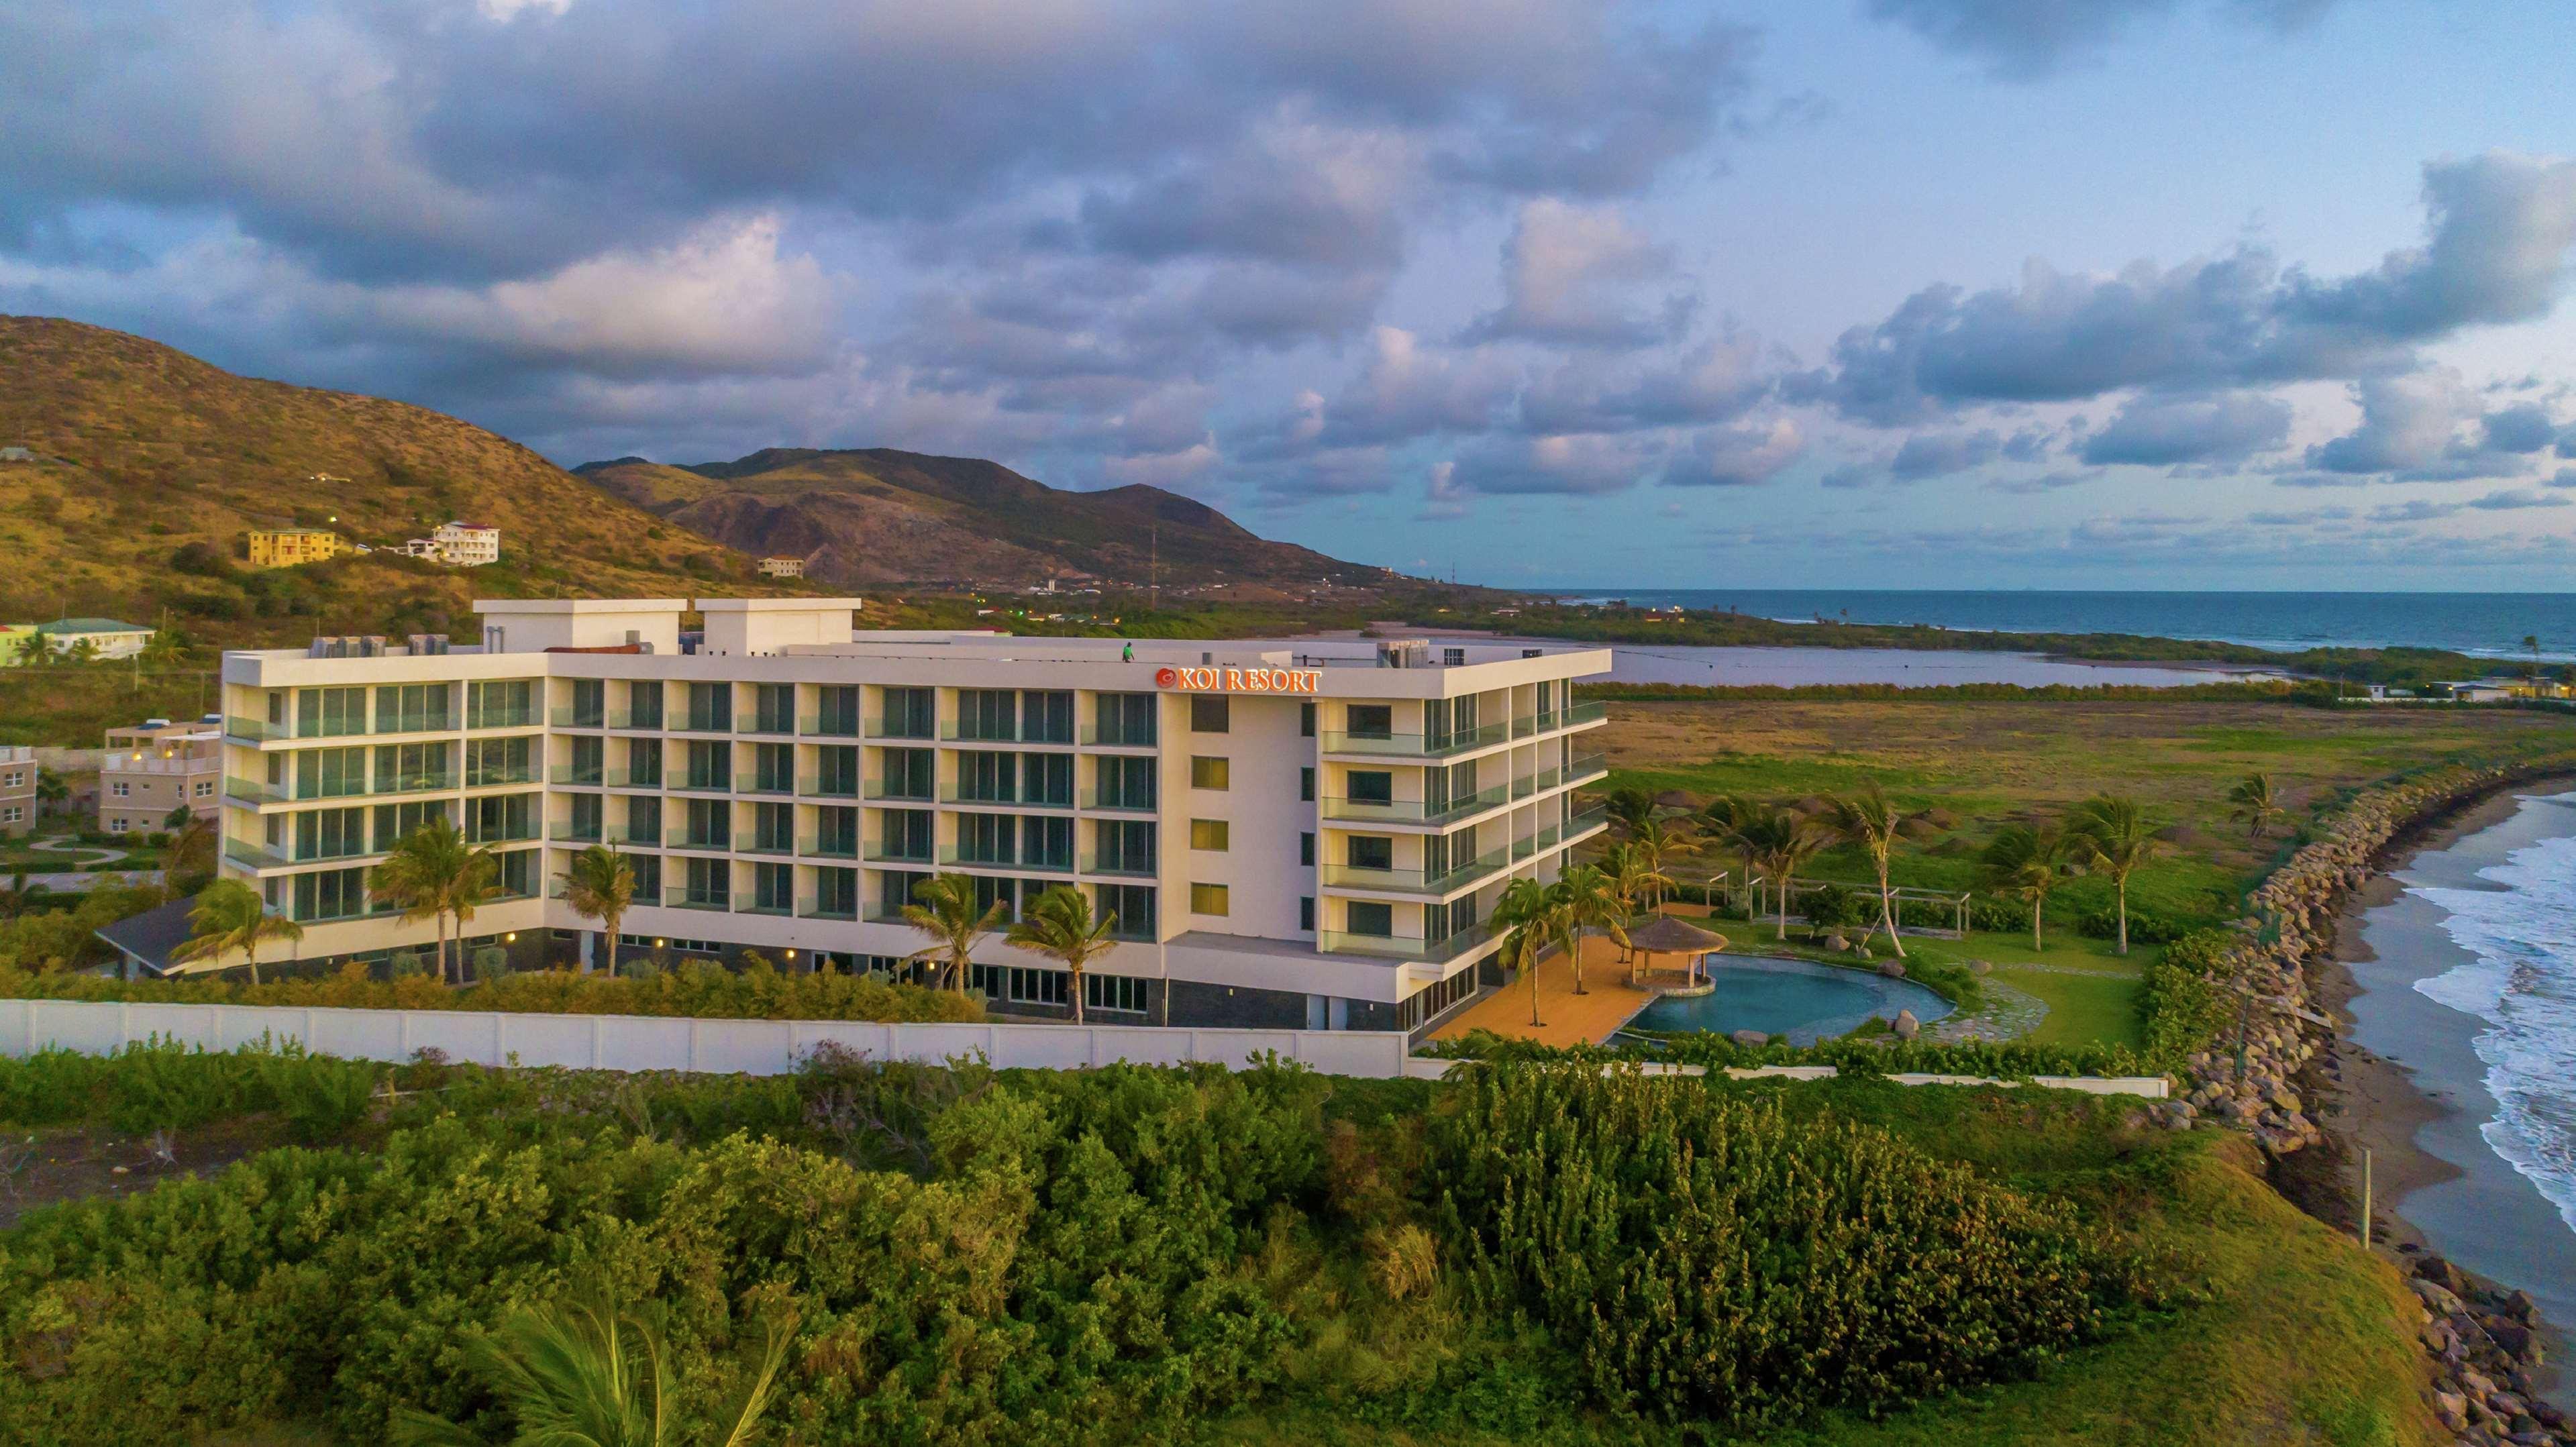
{"x": 1409, "y": 653}
{"x": 424, "y": 644}
{"x": 156, "y": 723}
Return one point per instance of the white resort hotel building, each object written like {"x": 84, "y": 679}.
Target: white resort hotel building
{"x": 1291, "y": 835}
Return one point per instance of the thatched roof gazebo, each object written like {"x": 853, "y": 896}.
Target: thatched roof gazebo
{"x": 1668, "y": 935}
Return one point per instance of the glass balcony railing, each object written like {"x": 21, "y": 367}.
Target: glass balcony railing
{"x": 1588, "y": 819}
{"x": 1119, "y": 737}
{"x": 1586, "y": 767}
{"x": 958, "y": 796}
{"x": 1126, "y": 865}
{"x": 715, "y": 902}
{"x": 1406, "y": 948}
{"x": 756, "y": 782}
{"x": 590, "y": 775}
{"x": 828, "y": 726}
{"x": 632, "y": 778}
{"x": 829, "y": 849}
{"x": 703, "y": 840}
{"x": 646, "y": 721}
{"x": 899, "y": 728}
{"x": 817, "y": 909}
{"x": 629, "y": 834}
{"x": 249, "y": 791}
{"x": 499, "y": 776}
{"x": 1415, "y": 881}
{"x": 425, "y": 782}
{"x": 891, "y": 789}
{"x": 702, "y": 784}
{"x": 1582, "y": 713}
{"x": 817, "y": 788}
{"x": 1414, "y": 746}
{"x": 575, "y": 833}
{"x": 757, "y": 845}
{"x": 251, "y": 730}
{"x": 782, "y": 725}
{"x": 252, "y": 856}
{"x": 898, "y": 854}
{"x": 1122, "y": 803}
{"x": 753, "y": 904}
{"x": 580, "y": 718}
{"x": 1415, "y": 811}
{"x": 971, "y": 859}
{"x": 503, "y": 718}
{"x": 702, "y": 723}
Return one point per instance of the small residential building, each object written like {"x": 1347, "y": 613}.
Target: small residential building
{"x": 782, "y": 567}
{"x": 156, "y": 766}
{"x": 17, "y": 788}
{"x": 16, "y": 641}
{"x": 293, "y": 547}
{"x": 467, "y": 545}
{"x": 107, "y": 637}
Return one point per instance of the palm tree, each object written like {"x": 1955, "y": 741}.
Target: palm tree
{"x": 1723, "y": 819}
{"x": 2532, "y": 642}
{"x": 2027, "y": 863}
{"x": 432, "y": 873}
{"x": 1782, "y": 841}
{"x": 1522, "y": 913}
{"x": 1629, "y": 808}
{"x": 192, "y": 845}
{"x": 52, "y": 789}
{"x": 944, "y": 909}
{"x": 1581, "y": 899}
{"x": 1060, "y": 927}
{"x": 591, "y": 1373}
{"x": 1870, "y": 821}
{"x": 600, "y": 885}
{"x": 1659, "y": 842}
{"x": 2112, "y": 839}
{"x": 2254, "y": 803}
{"x": 229, "y": 916}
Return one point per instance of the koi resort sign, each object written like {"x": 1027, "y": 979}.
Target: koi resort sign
{"x": 1240, "y": 680}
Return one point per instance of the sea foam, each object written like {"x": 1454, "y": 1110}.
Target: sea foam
{"x": 2520, "y": 980}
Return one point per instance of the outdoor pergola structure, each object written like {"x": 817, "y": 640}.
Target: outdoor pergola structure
{"x": 1671, "y": 935}
{"x": 1760, "y": 890}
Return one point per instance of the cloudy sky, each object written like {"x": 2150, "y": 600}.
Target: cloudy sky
{"x": 1906, "y": 293}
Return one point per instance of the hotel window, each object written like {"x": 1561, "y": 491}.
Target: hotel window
{"x": 1211, "y": 713}
{"x": 709, "y": 824}
{"x": 330, "y": 834}
{"x": 498, "y": 761}
{"x": 395, "y": 822}
{"x": 1037, "y": 987}
{"x": 1123, "y": 993}
{"x": 836, "y": 830}
{"x": 1370, "y": 720}
{"x": 119, "y": 825}
{"x": 648, "y": 877}
{"x": 837, "y": 710}
{"x": 773, "y": 768}
{"x": 1046, "y": 717}
{"x": 205, "y": 788}
{"x": 988, "y": 714}
{"x": 588, "y": 815}
{"x": 516, "y": 877}
{"x": 1453, "y": 657}
{"x": 710, "y": 765}
{"x": 773, "y": 887}
{"x": 1306, "y": 914}
{"x": 988, "y": 778}
{"x": 909, "y": 713}
{"x": 1047, "y": 842}
{"x": 1210, "y": 899}
{"x": 894, "y": 890}
{"x": 1371, "y": 786}
{"x": 500, "y": 704}
{"x": 644, "y": 763}
{"x": 1124, "y": 719}
{"x": 709, "y": 883}
{"x": 710, "y": 707}
{"x": 1369, "y": 917}
{"x": 644, "y": 820}
{"x": 589, "y": 760}
{"x": 331, "y": 894}
{"x": 330, "y": 773}
{"x": 120, "y": 789}
{"x": 501, "y": 818}
{"x": 837, "y": 768}
{"x": 412, "y": 708}
{"x": 589, "y": 702}
{"x": 908, "y": 773}
{"x": 1305, "y": 720}
{"x": 330, "y": 712}
{"x": 1125, "y": 783}
{"x": 1306, "y": 785}
{"x": 836, "y": 892}
{"x": 1213, "y": 835}
{"x": 773, "y": 826}
{"x": 773, "y": 708}
{"x": 1371, "y": 851}
{"x": 904, "y": 834}
{"x": 1306, "y": 849}
{"x": 987, "y": 838}
{"x": 1210, "y": 773}
{"x": 1126, "y": 846}
{"x": 643, "y": 705}
{"x": 1046, "y": 779}
{"x": 1128, "y": 907}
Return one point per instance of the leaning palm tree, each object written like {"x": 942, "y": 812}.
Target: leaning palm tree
{"x": 53, "y": 791}
{"x": 1870, "y": 821}
{"x": 2255, "y": 803}
{"x": 2112, "y": 838}
{"x": 192, "y": 846}
{"x": 1629, "y": 807}
{"x": 1723, "y": 820}
{"x": 1522, "y": 914}
{"x": 600, "y": 885}
{"x": 1060, "y": 926}
{"x": 1581, "y": 899}
{"x": 2027, "y": 863}
{"x": 944, "y": 908}
{"x": 1782, "y": 841}
{"x": 590, "y": 1372}
{"x": 229, "y": 915}
{"x": 432, "y": 873}
{"x": 1659, "y": 842}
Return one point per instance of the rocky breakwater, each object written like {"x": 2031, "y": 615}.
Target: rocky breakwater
{"x": 2483, "y": 1343}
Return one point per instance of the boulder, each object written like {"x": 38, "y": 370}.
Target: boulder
{"x": 2441, "y": 1273}
{"x": 2453, "y": 1409}
{"x": 1894, "y": 970}
{"x": 1750, "y": 1039}
{"x": 2511, "y": 1337}
{"x": 2520, "y": 1307}
{"x": 1838, "y": 942}
{"x": 1980, "y": 967}
{"x": 2437, "y": 1298}
{"x": 1906, "y": 1026}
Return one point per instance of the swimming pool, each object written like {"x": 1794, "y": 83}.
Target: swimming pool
{"x": 1806, "y": 1002}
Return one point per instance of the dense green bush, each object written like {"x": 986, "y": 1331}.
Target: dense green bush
{"x": 1701, "y": 1257}
{"x": 704, "y": 990}
{"x": 2181, "y": 1003}
{"x": 2146, "y": 927}
{"x": 164, "y": 1085}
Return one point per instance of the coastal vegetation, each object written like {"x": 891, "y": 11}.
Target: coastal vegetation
{"x": 1146, "y": 1255}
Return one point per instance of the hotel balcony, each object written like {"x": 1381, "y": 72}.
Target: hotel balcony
{"x": 1415, "y": 881}
{"x": 1406, "y": 949}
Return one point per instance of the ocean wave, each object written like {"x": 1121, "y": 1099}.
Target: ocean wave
{"x": 2520, "y": 979}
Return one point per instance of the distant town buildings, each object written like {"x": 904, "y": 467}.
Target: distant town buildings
{"x": 106, "y": 637}
{"x": 458, "y": 544}
{"x": 16, "y": 454}
{"x": 293, "y": 547}
{"x": 156, "y": 766}
{"x": 17, "y": 788}
{"x": 16, "y": 639}
{"x": 783, "y": 567}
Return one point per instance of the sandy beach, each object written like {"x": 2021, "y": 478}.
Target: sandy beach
{"x": 2405, "y": 1080}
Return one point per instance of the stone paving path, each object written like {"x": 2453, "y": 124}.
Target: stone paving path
{"x": 2008, "y": 1014}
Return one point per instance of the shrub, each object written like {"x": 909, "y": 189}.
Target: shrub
{"x": 2146, "y": 927}
{"x": 1604, "y": 1205}
{"x": 2180, "y": 1005}
{"x": 408, "y": 965}
{"x": 491, "y": 963}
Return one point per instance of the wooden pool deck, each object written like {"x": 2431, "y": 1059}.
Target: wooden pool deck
{"x": 1567, "y": 1018}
